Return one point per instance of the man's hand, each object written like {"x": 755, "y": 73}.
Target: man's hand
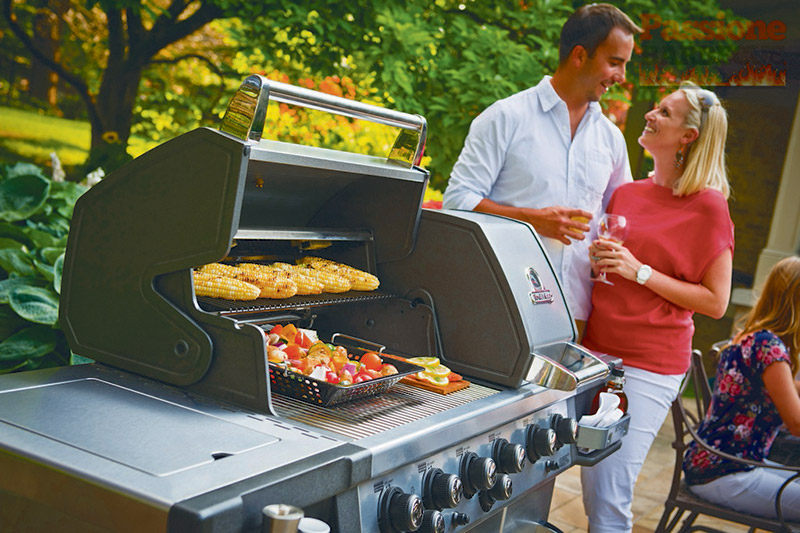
{"x": 556, "y": 222}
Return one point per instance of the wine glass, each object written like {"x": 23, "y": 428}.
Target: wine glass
{"x": 613, "y": 228}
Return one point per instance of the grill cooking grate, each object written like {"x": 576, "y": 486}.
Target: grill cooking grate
{"x": 227, "y": 307}
{"x": 402, "y": 404}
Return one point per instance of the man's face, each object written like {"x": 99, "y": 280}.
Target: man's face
{"x": 598, "y": 73}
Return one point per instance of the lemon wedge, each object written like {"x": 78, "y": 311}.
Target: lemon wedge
{"x": 436, "y": 380}
{"x": 439, "y": 371}
{"x": 427, "y": 362}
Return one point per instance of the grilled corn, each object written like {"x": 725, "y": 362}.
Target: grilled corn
{"x": 213, "y": 286}
{"x": 270, "y": 284}
{"x": 359, "y": 279}
{"x": 332, "y": 282}
{"x": 305, "y": 284}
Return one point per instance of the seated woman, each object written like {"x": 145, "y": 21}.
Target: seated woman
{"x": 754, "y": 393}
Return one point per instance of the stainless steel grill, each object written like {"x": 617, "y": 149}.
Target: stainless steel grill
{"x": 186, "y": 432}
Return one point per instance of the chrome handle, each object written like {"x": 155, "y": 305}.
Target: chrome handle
{"x": 244, "y": 118}
{"x": 380, "y": 347}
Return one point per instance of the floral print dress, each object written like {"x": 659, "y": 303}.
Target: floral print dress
{"x": 741, "y": 420}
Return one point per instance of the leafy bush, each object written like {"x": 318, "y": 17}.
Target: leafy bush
{"x": 35, "y": 212}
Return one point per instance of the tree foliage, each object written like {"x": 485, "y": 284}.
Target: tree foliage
{"x": 154, "y": 67}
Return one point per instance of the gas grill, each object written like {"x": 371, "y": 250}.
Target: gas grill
{"x": 177, "y": 427}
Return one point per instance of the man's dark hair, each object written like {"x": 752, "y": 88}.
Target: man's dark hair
{"x": 590, "y": 25}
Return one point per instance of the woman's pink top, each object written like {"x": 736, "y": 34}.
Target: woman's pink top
{"x": 677, "y": 236}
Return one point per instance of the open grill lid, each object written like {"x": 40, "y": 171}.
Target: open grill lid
{"x": 127, "y": 295}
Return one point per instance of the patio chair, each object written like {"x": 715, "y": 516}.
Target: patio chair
{"x": 686, "y": 421}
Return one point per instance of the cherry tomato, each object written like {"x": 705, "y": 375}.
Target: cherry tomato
{"x": 364, "y": 375}
{"x": 294, "y": 351}
{"x": 331, "y": 378}
{"x": 276, "y": 329}
{"x": 372, "y": 361}
{"x": 302, "y": 340}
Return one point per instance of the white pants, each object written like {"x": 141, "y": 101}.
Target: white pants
{"x": 608, "y": 486}
{"x": 754, "y": 492}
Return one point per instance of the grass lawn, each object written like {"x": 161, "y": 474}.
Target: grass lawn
{"x": 30, "y": 136}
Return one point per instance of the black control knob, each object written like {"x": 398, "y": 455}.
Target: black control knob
{"x": 502, "y": 487}
{"x": 432, "y": 522}
{"x": 566, "y": 429}
{"x": 539, "y": 442}
{"x": 477, "y": 473}
{"x": 441, "y": 490}
{"x": 460, "y": 519}
{"x": 485, "y": 500}
{"x": 510, "y": 458}
{"x": 399, "y": 511}
{"x": 550, "y": 466}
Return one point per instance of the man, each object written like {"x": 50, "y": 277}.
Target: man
{"x": 548, "y": 156}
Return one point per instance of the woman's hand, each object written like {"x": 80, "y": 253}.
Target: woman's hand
{"x": 613, "y": 257}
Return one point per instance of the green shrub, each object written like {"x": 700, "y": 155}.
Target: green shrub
{"x": 35, "y": 212}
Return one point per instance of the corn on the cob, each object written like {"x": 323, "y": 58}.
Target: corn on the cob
{"x": 305, "y": 284}
{"x": 271, "y": 284}
{"x": 219, "y": 269}
{"x": 206, "y": 284}
{"x": 268, "y": 282}
{"x": 331, "y": 281}
{"x": 359, "y": 279}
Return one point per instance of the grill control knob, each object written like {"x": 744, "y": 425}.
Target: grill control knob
{"x": 477, "y": 473}
{"x": 550, "y": 466}
{"x": 510, "y": 458}
{"x": 432, "y": 522}
{"x": 460, "y": 519}
{"x": 502, "y": 488}
{"x": 539, "y": 442}
{"x": 399, "y": 511}
{"x": 566, "y": 429}
{"x": 500, "y": 491}
{"x": 441, "y": 490}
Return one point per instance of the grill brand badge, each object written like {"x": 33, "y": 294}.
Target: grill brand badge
{"x": 539, "y": 293}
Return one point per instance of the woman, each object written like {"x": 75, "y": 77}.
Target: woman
{"x": 754, "y": 393}
{"x": 675, "y": 261}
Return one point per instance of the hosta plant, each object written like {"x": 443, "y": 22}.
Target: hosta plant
{"x": 35, "y": 212}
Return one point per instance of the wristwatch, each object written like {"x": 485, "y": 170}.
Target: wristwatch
{"x": 643, "y": 274}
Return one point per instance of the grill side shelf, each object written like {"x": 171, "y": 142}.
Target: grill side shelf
{"x": 228, "y": 307}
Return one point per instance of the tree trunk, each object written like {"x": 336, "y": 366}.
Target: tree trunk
{"x": 115, "y": 102}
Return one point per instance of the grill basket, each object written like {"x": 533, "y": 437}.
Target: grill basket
{"x": 288, "y": 383}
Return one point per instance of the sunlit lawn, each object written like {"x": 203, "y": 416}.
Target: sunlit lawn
{"x": 29, "y": 136}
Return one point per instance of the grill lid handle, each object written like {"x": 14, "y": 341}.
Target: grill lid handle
{"x": 247, "y": 111}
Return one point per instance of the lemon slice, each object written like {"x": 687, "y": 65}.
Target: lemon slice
{"x": 436, "y": 380}
{"x": 440, "y": 371}
{"x": 427, "y": 362}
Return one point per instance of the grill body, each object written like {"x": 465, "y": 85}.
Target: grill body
{"x": 176, "y": 426}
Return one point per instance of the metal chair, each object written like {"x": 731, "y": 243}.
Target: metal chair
{"x": 686, "y": 421}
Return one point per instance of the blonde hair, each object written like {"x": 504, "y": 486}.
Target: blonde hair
{"x": 778, "y": 307}
{"x": 705, "y": 162}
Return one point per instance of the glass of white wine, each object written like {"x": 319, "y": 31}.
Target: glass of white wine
{"x": 612, "y": 228}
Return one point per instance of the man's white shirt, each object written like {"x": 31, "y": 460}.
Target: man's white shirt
{"x": 519, "y": 152}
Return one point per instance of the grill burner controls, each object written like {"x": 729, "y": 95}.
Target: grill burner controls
{"x": 460, "y": 519}
{"x": 432, "y": 522}
{"x": 510, "y": 458}
{"x": 477, "y": 473}
{"x": 539, "y": 442}
{"x": 441, "y": 490}
{"x": 399, "y": 511}
{"x": 566, "y": 429}
{"x": 500, "y": 491}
